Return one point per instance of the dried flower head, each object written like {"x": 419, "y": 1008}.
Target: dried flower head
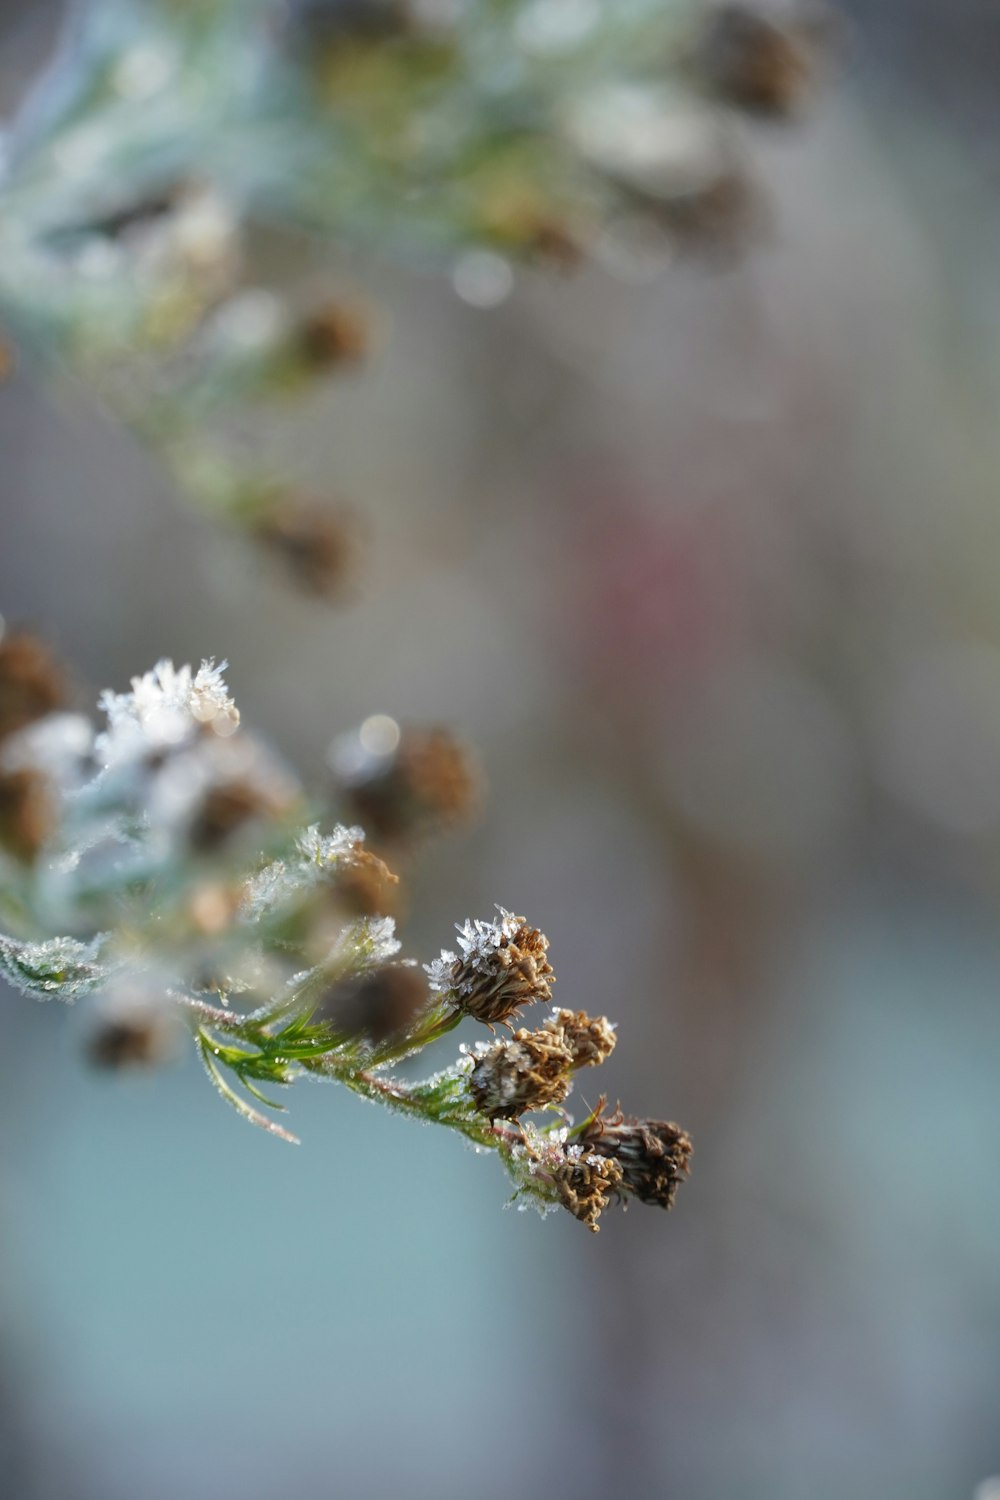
{"x": 319, "y": 545}
{"x": 228, "y": 807}
{"x": 334, "y": 333}
{"x": 654, "y": 1155}
{"x": 588, "y": 1040}
{"x": 379, "y": 1004}
{"x": 363, "y": 885}
{"x": 132, "y": 1030}
{"x": 766, "y": 65}
{"x": 27, "y": 812}
{"x": 585, "y": 1183}
{"x": 501, "y": 968}
{"x": 531, "y": 1070}
{"x": 31, "y": 682}
{"x": 405, "y": 783}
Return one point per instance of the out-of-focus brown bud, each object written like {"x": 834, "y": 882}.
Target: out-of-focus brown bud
{"x": 654, "y": 1155}
{"x": 585, "y": 1184}
{"x": 325, "y": 22}
{"x": 132, "y": 1031}
{"x": 320, "y": 546}
{"x": 31, "y": 682}
{"x": 423, "y": 782}
{"x": 766, "y": 65}
{"x": 27, "y": 812}
{"x": 8, "y": 359}
{"x": 227, "y": 808}
{"x": 379, "y": 1005}
{"x": 336, "y": 333}
{"x": 364, "y": 886}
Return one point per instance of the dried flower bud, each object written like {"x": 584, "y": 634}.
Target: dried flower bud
{"x": 27, "y": 812}
{"x": 133, "y": 1030}
{"x": 653, "y": 1154}
{"x": 589, "y": 1040}
{"x": 502, "y": 967}
{"x": 764, "y": 65}
{"x": 404, "y": 784}
{"x": 531, "y": 1070}
{"x": 320, "y": 546}
{"x": 364, "y": 886}
{"x": 335, "y": 333}
{"x": 585, "y": 1183}
{"x": 228, "y": 807}
{"x": 379, "y": 1005}
{"x": 31, "y": 683}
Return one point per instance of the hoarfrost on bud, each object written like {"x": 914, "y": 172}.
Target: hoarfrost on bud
{"x": 163, "y": 709}
{"x": 502, "y": 966}
{"x": 61, "y": 968}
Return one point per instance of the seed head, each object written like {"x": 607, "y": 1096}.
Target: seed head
{"x": 762, "y": 65}
{"x": 654, "y": 1155}
{"x": 335, "y": 333}
{"x": 379, "y": 1004}
{"x": 133, "y": 1030}
{"x": 228, "y": 807}
{"x": 501, "y": 968}
{"x": 363, "y": 885}
{"x": 589, "y": 1040}
{"x": 31, "y": 683}
{"x": 531, "y": 1070}
{"x": 319, "y": 545}
{"x": 585, "y": 1183}
{"x": 420, "y": 783}
{"x": 27, "y": 812}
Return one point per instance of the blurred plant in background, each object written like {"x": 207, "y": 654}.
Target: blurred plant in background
{"x": 171, "y": 865}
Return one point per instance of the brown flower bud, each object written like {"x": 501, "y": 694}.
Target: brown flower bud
{"x": 132, "y": 1031}
{"x": 531, "y": 1070}
{"x": 585, "y": 1183}
{"x": 654, "y": 1155}
{"x": 31, "y": 683}
{"x": 379, "y": 1005}
{"x": 228, "y": 807}
{"x": 589, "y": 1040}
{"x": 320, "y": 546}
{"x": 27, "y": 812}
{"x": 335, "y": 333}
{"x": 502, "y": 967}
{"x": 364, "y": 886}
{"x": 762, "y": 65}
{"x": 425, "y": 782}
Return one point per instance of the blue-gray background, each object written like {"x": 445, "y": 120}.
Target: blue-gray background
{"x": 709, "y": 568}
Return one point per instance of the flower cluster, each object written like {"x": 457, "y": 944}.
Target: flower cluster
{"x": 174, "y": 882}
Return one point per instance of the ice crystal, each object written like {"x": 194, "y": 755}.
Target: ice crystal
{"x": 164, "y": 708}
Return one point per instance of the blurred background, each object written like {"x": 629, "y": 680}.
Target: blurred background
{"x": 707, "y": 565}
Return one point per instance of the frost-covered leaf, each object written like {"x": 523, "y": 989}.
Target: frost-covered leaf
{"x": 61, "y": 968}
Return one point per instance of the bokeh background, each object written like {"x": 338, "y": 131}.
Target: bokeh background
{"x": 708, "y": 566}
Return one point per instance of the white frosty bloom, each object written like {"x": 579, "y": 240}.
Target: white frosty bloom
{"x": 163, "y": 709}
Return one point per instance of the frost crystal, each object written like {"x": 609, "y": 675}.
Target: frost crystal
{"x": 62, "y": 967}
{"x": 163, "y": 708}
{"x": 502, "y": 967}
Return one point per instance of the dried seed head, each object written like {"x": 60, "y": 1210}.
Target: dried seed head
{"x": 589, "y": 1040}
{"x": 133, "y": 1030}
{"x": 335, "y": 333}
{"x": 531, "y": 1070}
{"x": 764, "y": 65}
{"x": 320, "y": 546}
{"x": 585, "y": 1183}
{"x": 228, "y": 807}
{"x": 364, "y": 886}
{"x": 654, "y": 1155}
{"x": 27, "y": 812}
{"x": 501, "y": 968}
{"x": 31, "y": 682}
{"x": 379, "y": 1005}
{"x": 405, "y": 785}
